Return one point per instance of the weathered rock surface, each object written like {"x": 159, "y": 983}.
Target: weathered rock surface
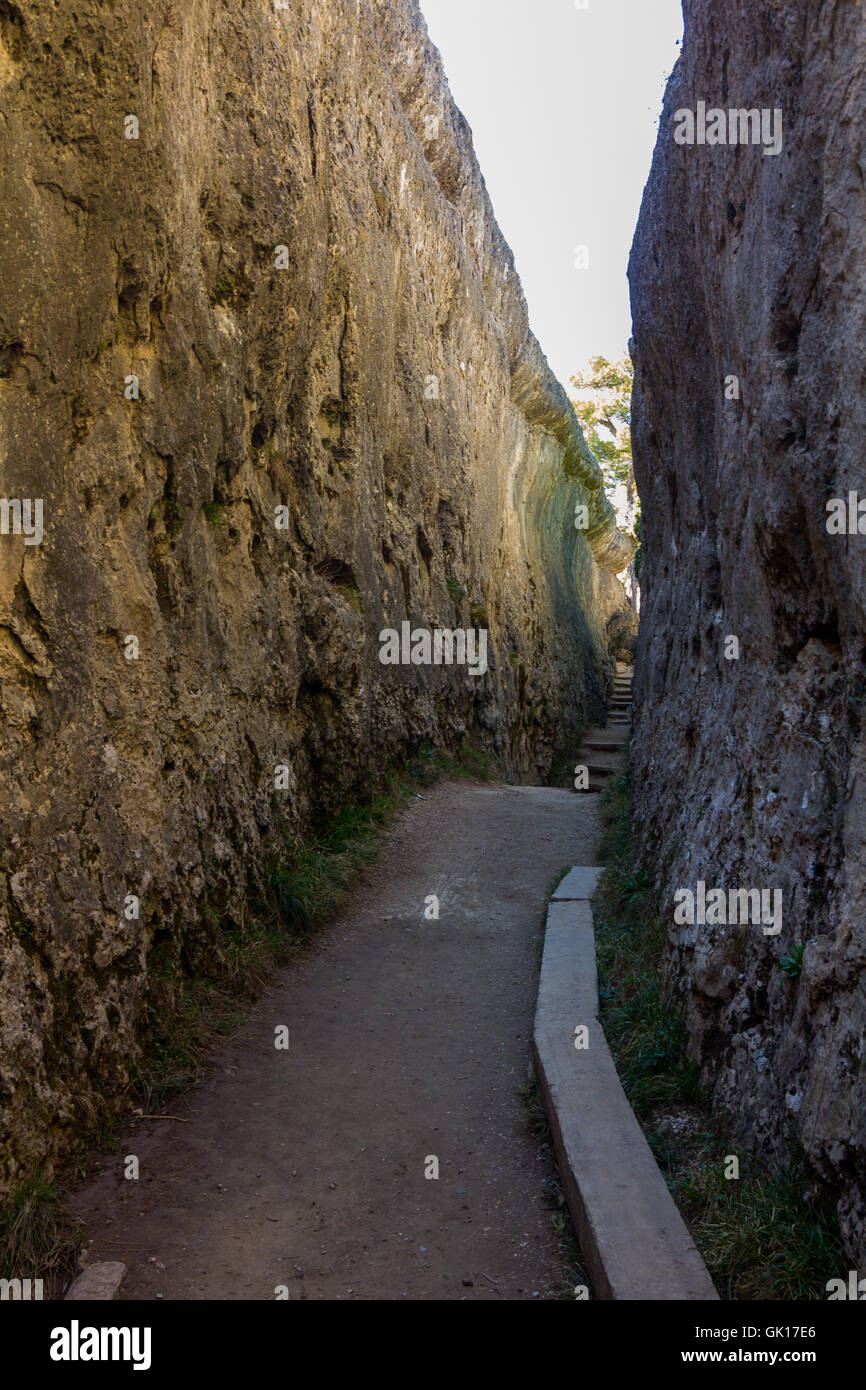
{"x": 376, "y": 377}
{"x": 752, "y": 772}
{"x": 620, "y": 619}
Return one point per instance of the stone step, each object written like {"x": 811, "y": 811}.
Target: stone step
{"x": 606, "y": 740}
{"x": 607, "y": 758}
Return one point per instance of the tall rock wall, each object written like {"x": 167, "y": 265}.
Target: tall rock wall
{"x": 270, "y": 215}
{"x": 751, "y": 772}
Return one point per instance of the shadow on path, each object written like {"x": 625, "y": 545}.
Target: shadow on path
{"x": 408, "y": 1039}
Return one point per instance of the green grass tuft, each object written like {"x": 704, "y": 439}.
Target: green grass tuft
{"x": 38, "y": 1237}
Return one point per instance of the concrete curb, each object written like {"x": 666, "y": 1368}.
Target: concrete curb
{"x": 634, "y": 1241}
{"x": 97, "y": 1282}
{"x": 578, "y": 884}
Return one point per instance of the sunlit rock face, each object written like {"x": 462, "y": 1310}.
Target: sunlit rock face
{"x": 749, "y": 772}
{"x": 265, "y": 362}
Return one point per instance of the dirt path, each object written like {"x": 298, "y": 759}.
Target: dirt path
{"x": 408, "y": 1038}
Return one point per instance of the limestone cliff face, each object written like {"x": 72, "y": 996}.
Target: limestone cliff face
{"x": 297, "y": 260}
{"x": 752, "y": 772}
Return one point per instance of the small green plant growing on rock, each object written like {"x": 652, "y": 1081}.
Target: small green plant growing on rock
{"x": 352, "y": 595}
{"x": 380, "y": 197}
{"x": 857, "y": 690}
{"x": 792, "y": 964}
{"x": 478, "y": 615}
{"x": 222, "y": 290}
{"x": 455, "y": 589}
{"x": 81, "y": 415}
{"x": 173, "y": 515}
{"x": 214, "y": 513}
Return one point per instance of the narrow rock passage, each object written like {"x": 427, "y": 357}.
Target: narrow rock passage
{"x": 408, "y": 1039}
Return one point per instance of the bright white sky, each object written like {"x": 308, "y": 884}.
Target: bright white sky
{"x": 564, "y": 106}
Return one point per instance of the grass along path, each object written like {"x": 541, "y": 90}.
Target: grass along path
{"x": 768, "y": 1235}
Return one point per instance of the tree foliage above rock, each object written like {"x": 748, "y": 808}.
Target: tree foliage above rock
{"x": 603, "y": 407}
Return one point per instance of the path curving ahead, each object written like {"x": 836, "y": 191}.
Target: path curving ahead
{"x": 408, "y": 1039}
